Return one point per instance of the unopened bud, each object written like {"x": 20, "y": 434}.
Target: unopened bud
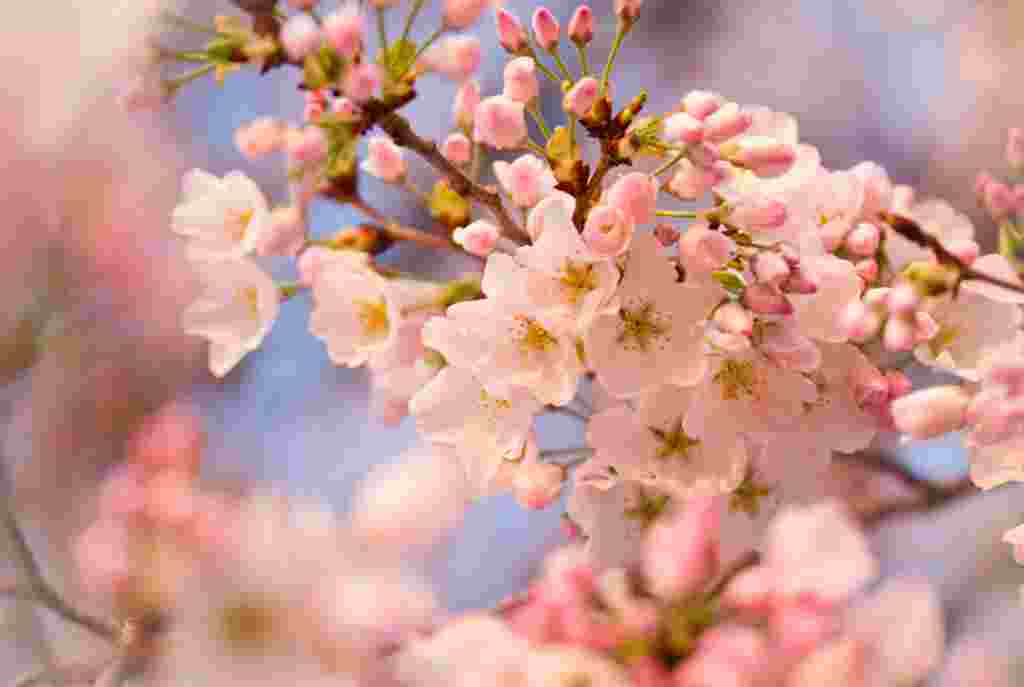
{"x": 864, "y": 239}
{"x": 457, "y": 149}
{"x": 546, "y": 29}
{"x": 511, "y": 34}
{"x": 766, "y": 300}
{"x": 726, "y": 122}
{"x": 581, "y": 26}
{"x": 581, "y": 97}
{"x": 521, "y": 80}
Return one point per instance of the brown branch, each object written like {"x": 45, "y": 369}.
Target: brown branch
{"x": 911, "y": 231}
{"x": 401, "y": 132}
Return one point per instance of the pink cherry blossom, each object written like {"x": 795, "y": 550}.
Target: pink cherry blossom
{"x": 461, "y": 14}
{"x": 479, "y": 238}
{"x": 344, "y": 30}
{"x": 457, "y": 57}
{"x": 636, "y": 196}
{"x": 527, "y": 180}
{"x": 500, "y": 122}
{"x": 608, "y": 231}
{"x": 521, "y": 80}
{"x": 457, "y": 149}
{"x": 511, "y": 34}
{"x": 546, "y": 28}
{"x": 581, "y": 26}
{"x": 582, "y": 96}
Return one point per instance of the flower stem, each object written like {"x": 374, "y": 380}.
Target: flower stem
{"x": 581, "y": 52}
{"x": 382, "y": 31}
{"x": 413, "y": 13}
{"x": 678, "y": 214}
{"x": 620, "y": 35}
{"x": 539, "y": 119}
{"x": 560, "y": 64}
{"x": 670, "y": 164}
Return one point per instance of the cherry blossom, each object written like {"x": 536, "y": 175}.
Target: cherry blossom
{"x": 226, "y": 216}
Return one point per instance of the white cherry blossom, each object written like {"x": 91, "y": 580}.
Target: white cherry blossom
{"x": 226, "y": 216}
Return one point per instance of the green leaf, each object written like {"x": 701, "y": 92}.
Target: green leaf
{"x": 729, "y": 280}
{"x": 448, "y": 207}
{"x": 398, "y": 58}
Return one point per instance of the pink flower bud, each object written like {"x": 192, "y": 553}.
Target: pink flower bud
{"x": 636, "y": 194}
{"x": 877, "y": 298}
{"x": 734, "y": 318}
{"x": 260, "y": 137}
{"x": 457, "y": 57}
{"x": 770, "y": 268}
{"x": 762, "y": 155}
{"x": 765, "y": 300}
{"x": 287, "y": 233}
{"x": 478, "y": 238}
{"x": 899, "y": 383}
{"x": 931, "y": 412}
{"x": 864, "y": 239}
{"x": 867, "y": 269}
{"x": 557, "y": 208}
{"x": 903, "y": 299}
{"x": 628, "y": 10}
{"x": 467, "y": 98}
{"x": 362, "y": 81}
{"x": 521, "y": 80}
{"x": 683, "y": 128}
{"x": 306, "y": 145}
{"x": 681, "y": 554}
{"x": 701, "y": 104}
{"x": 690, "y": 181}
{"x": 899, "y": 334}
{"x": 703, "y": 251}
{"x": 300, "y": 36}
{"x": 759, "y": 213}
{"x": 461, "y": 14}
{"x": 608, "y": 231}
{"x": 581, "y": 26}
{"x": 546, "y": 28}
{"x": 981, "y": 182}
{"x": 500, "y": 122}
{"x": 527, "y": 180}
{"x": 582, "y": 96}
{"x": 1015, "y": 148}
{"x": 666, "y": 234}
{"x": 384, "y": 160}
{"x": 511, "y": 34}
{"x": 999, "y": 200}
{"x": 859, "y": 322}
{"x": 726, "y": 122}
{"x": 344, "y": 30}
{"x": 537, "y": 484}
{"x": 457, "y": 149}
{"x": 800, "y": 282}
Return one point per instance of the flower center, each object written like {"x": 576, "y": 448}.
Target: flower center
{"x": 674, "y": 442}
{"x": 748, "y": 496}
{"x": 577, "y": 280}
{"x": 944, "y": 339}
{"x": 373, "y": 316}
{"x": 533, "y": 337}
{"x": 647, "y": 509}
{"x": 249, "y": 624}
{"x": 737, "y": 378}
{"x": 641, "y": 326}
{"x": 251, "y": 296}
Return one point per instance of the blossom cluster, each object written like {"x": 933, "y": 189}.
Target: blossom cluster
{"x": 720, "y": 308}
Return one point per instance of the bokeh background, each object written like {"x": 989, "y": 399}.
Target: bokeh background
{"x": 925, "y": 87}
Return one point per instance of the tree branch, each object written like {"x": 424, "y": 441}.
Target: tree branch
{"x": 911, "y": 231}
{"x": 401, "y": 132}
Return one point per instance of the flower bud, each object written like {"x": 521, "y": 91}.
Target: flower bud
{"x": 899, "y": 334}
{"x": 457, "y": 149}
{"x": 346, "y": 109}
{"x": 582, "y": 96}
{"x": 581, "y": 26}
{"x": 770, "y": 268}
{"x": 260, "y": 137}
{"x": 762, "y": 155}
{"x": 457, "y": 57}
{"x": 500, "y": 122}
{"x": 701, "y": 104}
{"x": 608, "y": 231}
{"x": 628, "y": 10}
{"x": 877, "y": 188}
{"x": 899, "y": 383}
{"x": 867, "y": 269}
{"x": 666, "y": 234}
{"x": 308, "y": 144}
{"x": 683, "y": 128}
{"x": 478, "y": 238}
{"x": 859, "y": 322}
{"x": 384, "y": 160}
{"x": 362, "y": 81}
{"x": 690, "y": 181}
{"x": 800, "y": 282}
{"x": 702, "y": 251}
{"x": 461, "y": 14}
{"x": 467, "y": 98}
{"x": 546, "y": 29}
{"x": 734, "y": 318}
{"x": 527, "y": 180}
{"x": 344, "y": 30}
{"x": 998, "y": 200}
{"x": 705, "y": 156}
{"x": 300, "y": 36}
{"x": 521, "y": 80}
{"x": 903, "y": 299}
{"x": 1015, "y": 148}
{"x": 931, "y": 412}
{"x": 510, "y": 32}
{"x": 726, "y": 122}
{"x": 864, "y": 239}
{"x": 316, "y": 105}
{"x": 636, "y": 195}
{"x": 766, "y": 300}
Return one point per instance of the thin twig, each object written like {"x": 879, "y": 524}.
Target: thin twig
{"x": 401, "y": 132}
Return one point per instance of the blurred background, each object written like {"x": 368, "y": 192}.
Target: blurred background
{"x": 925, "y": 87}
